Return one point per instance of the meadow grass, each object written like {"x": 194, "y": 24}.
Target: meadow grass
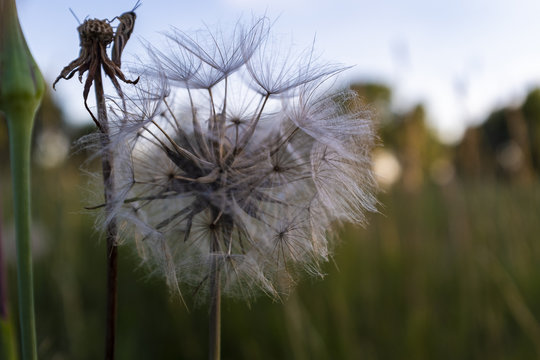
{"x": 446, "y": 273}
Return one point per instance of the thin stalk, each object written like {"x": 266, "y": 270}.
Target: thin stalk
{"x": 215, "y": 312}
{"x": 111, "y": 231}
{"x": 21, "y": 90}
{"x": 19, "y": 148}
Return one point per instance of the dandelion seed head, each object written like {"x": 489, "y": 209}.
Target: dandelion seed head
{"x": 232, "y": 154}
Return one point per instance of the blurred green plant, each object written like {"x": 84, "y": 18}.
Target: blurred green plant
{"x": 7, "y": 336}
{"x": 446, "y": 273}
{"x": 7, "y": 340}
{"x": 21, "y": 90}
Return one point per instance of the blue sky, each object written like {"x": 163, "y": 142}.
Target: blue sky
{"x": 461, "y": 58}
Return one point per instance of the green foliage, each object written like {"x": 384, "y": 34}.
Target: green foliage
{"x": 531, "y": 112}
{"x": 405, "y": 134}
{"x": 495, "y": 130}
{"x": 7, "y": 340}
{"x": 373, "y": 93}
{"x": 446, "y": 273}
{"x": 379, "y": 98}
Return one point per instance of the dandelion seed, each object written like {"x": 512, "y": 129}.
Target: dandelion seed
{"x": 235, "y": 161}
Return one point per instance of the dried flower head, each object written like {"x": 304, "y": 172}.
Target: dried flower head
{"x": 95, "y": 36}
{"x": 231, "y": 159}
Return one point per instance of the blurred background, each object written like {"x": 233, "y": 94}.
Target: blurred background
{"x": 447, "y": 270}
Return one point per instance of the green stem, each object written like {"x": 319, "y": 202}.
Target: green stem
{"x": 21, "y": 90}
{"x": 20, "y": 129}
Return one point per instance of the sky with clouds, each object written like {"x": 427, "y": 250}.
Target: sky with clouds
{"x": 461, "y": 58}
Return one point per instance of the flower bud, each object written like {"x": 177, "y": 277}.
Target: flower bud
{"x": 21, "y": 82}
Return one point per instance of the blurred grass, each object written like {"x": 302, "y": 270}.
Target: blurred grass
{"x": 445, "y": 273}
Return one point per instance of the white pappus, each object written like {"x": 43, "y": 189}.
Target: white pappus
{"x": 234, "y": 158}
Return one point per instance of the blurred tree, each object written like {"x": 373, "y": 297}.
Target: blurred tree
{"x": 531, "y": 112}
{"x": 505, "y": 146}
{"x": 406, "y": 135}
{"x": 495, "y": 130}
{"x": 495, "y": 135}
{"x": 379, "y": 98}
{"x": 520, "y": 139}
{"x": 412, "y": 146}
{"x": 470, "y": 159}
{"x": 4, "y": 154}
{"x": 379, "y": 95}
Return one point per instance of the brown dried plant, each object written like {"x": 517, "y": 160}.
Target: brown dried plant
{"x": 95, "y": 35}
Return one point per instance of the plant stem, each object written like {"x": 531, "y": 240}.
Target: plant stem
{"x": 19, "y": 147}
{"x": 215, "y": 312}
{"x": 111, "y": 231}
{"x": 21, "y": 90}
